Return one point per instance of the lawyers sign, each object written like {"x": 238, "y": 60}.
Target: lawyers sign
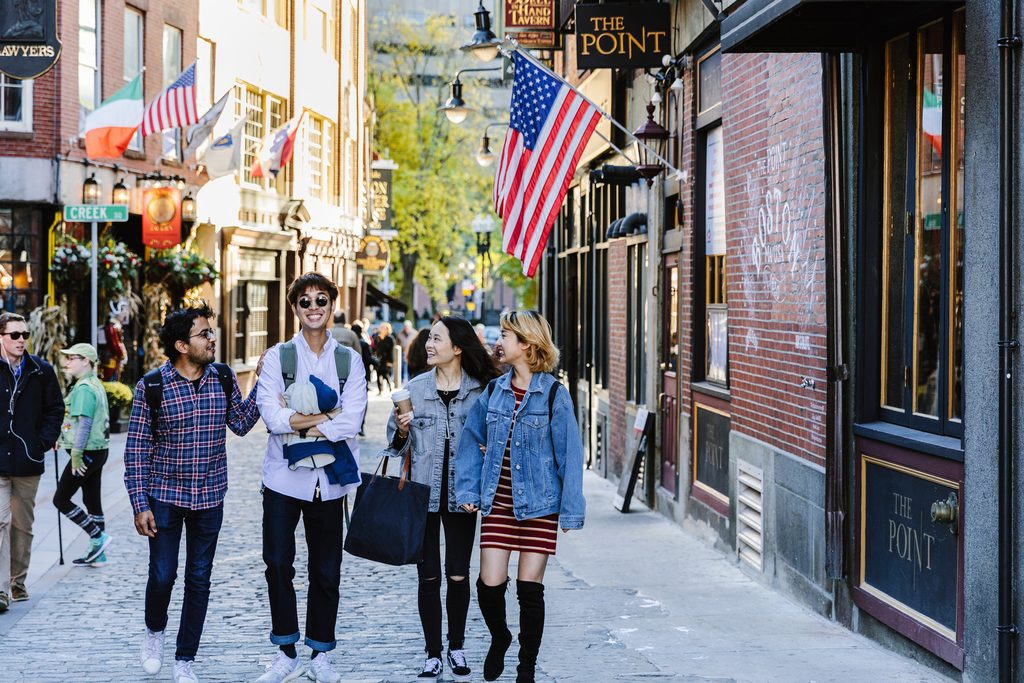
{"x": 29, "y": 44}
{"x": 622, "y": 35}
{"x": 380, "y": 183}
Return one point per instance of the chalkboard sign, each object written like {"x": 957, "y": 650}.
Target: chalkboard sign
{"x": 711, "y": 450}
{"x": 906, "y": 556}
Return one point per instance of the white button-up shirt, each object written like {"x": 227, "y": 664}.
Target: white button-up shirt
{"x": 301, "y": 482}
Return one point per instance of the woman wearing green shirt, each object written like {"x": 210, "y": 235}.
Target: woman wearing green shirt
{"x": 86, "y": 435}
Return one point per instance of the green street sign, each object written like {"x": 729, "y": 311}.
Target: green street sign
{"x": 101, "y": 213}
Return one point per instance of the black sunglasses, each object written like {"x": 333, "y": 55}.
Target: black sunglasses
{"x": 16, "y": 335}
{"x": 321, "y": 301}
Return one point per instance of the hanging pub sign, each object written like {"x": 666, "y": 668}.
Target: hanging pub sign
{"x": 161, "y": 217}
{"x": 380, "y": 183}
{"x": 373, "y": 255}
{"x": 622, "y": 35}
{"x": 530, "y": 14}
{"x": 29, "y": 44}
{"x": 538, "y": 40}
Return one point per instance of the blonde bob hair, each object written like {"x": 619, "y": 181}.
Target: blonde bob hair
{"x": 532, "y": 329}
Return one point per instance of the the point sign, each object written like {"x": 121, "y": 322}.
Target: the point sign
{"x": 100, "y": 213}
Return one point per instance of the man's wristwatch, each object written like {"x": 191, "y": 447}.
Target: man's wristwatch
{"x": 302, "y": 433}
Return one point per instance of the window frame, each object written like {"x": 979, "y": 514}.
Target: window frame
{"x": 167, "y": 136}
{"x": 24, "y": 123}
{"x": 137, "y": 144}
{"x": 97, "y": 76}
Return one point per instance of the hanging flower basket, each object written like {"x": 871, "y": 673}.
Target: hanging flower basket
{"x": 179, "y": 270}
{"x": 117, "y": 266}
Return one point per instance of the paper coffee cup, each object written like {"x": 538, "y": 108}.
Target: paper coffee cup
{"x": 403, "y": 400}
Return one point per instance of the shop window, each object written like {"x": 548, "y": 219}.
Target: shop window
{"x": 252, "y": 320}
{"x": 19, "y": 255}
{"x": 921, "y": 342}
{"x": 712, "y": 320}
{"x": 15, "y": 104}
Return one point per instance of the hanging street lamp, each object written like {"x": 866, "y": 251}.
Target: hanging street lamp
{"x": 484, "y": 45}
{"x": 91, "y": 190}
{"x": 653, "y": 136}
{"x": 485, "y": 157}
{"x": 455, "y": 107}
{"x": 120, "y": 194}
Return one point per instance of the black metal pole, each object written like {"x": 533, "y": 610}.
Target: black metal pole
{"x": 1008, "y": 42}
{"x": 60, "y": 536}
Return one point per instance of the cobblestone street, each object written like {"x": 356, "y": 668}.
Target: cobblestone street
{"x": 631, "y": 597}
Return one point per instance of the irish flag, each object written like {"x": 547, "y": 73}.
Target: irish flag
{"x": 931, "y": 119}
{"x": 110, "y": 128}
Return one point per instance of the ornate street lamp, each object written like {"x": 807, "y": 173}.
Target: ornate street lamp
{"x": 485, "y": 157}
{"x": 188, "y": 208}
{"x": 91, "y": 190}
{"x": 653, "y": 136}
{"x": 455, "y": 107}
{"x": 120, "y": 194}
{"x": 482, "y": 228}
{"x": 484, "y": 45}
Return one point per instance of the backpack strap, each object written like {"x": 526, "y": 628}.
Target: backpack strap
{"x": 227, "y": 383}
{"x": 342, "y": 363}
{"x": 552, "y": 395}
{"x": 153, "y": 385}
{"x": 289, "y": 360}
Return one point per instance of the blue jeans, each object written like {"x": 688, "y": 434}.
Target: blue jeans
{"x": 323, "y": 522}
{"x": 202, "y": 527}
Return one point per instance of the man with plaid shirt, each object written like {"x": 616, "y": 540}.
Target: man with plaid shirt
{"x": 176, "y": 476}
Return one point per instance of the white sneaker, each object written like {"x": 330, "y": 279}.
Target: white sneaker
{"x": 321, "y": 671}
{"x": 183, "y": 672}
{"x": 282, "y": 668}
{"x": 432, "y": 669}
{"x": 153, "y": 652}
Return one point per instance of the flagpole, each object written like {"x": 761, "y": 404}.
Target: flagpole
{"x": 510, "y": 45}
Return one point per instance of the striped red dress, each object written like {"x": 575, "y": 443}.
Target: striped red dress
{"x": 501, "y": 529}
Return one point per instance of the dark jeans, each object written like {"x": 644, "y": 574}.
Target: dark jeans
{"x": 201, "y": 530}
{"x": 89, "y": 483}
{"x": 459, "y": 531}
{"x": 324, "y": 525}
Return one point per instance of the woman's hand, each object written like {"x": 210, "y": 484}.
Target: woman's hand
{"x": 469, "y": 507}
{"x": 402, "y": 421}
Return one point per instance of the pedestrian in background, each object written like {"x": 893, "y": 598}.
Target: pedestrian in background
{"x": 405, "y": 337}
{"x": 416, "y": 355}
{"x": 176, "y": 473}
{"x": 31, "y": 411}
{"x": 527, "y": 482}
{"x": 343, "y": 334}
{"x": 316, "y": 493}
{"x": 441, "y": 398}
{"x": 385, "y": 352}
{"x": 85, "y": 434}
{"x": 368, "y": 364}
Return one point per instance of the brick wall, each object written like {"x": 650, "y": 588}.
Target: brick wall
{"x": 775, "y": 205}
{"x": 617, "y": 295}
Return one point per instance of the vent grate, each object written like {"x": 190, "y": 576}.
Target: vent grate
{"x": 749, "y": 514}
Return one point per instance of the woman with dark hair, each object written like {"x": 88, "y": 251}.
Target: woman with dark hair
{"x": 416, "y": 356}
{"x": 460, "y": 369}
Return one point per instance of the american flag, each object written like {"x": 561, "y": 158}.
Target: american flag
{"x": 549, "y": 126}
{"x": 175, "y": 107}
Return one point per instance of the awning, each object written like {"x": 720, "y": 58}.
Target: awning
{"x": 375, "y": 297}
{"x": 821, "y": 25}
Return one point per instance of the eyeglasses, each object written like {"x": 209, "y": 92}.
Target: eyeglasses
{"x": 70, "y": 358}
{"x": 209, "y": 333}
{"x": 321, "y": 301}
{"x": 16, "y": 335}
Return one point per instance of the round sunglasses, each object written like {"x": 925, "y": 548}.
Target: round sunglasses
{"x": 321, "y": 301}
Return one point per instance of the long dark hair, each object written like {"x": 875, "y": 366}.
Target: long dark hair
{"x": 417, "y": 354}
{"x": 477, "y": 363}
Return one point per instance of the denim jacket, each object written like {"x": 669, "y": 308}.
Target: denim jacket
{"x": 432, "y": 422}
{"x": 546, "y": 456}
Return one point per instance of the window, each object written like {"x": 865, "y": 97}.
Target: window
{"x": 134, "y": 59}
{"x": 15, "y": 104}
{"x": 88, "y": 58}
{"x": 263, "y": 113}
{"x": 172, "y": 69}
{"x": 712, "y": 338}
{"x": 315, "y": 155}
{"x": 278, "y": 9}
{"x": 921, "y": 347}
{"x": 636, "y": 322}
{"x": 204, "y": 74}
{"x": 316, "y": 27}
{"x": 20, "y": 229}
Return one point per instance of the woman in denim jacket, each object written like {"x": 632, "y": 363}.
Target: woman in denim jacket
{"x": 441, "y": 398}
{"x": 520, "y": 462}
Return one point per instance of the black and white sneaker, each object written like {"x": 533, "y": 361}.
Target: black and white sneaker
{"x": 432, "y": 668}
{"x": 460, "y": 669}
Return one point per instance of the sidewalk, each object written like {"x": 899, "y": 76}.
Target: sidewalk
{"x": 630, "y": 597}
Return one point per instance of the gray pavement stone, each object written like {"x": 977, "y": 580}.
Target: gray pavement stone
{"x": 630, "y": 598}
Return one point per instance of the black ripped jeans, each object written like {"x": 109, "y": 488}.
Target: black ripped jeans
{"x": 459, "y": 532}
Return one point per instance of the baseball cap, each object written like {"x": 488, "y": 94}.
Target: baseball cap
{"x": 82, "y": 349}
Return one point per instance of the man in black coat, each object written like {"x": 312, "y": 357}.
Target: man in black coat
{"x": 31, "y": 413}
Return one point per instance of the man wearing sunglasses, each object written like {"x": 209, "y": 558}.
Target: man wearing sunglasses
{"x": 312, "y": 493}
{"x": 176, "y": 473}
{"x": 31, "y": 413}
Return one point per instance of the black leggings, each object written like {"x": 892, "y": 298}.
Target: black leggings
{"x": 459, "y": 532}
{"x": 90, "y": 484}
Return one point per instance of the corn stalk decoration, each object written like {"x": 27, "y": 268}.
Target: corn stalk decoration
{"x": 48, "y": 329}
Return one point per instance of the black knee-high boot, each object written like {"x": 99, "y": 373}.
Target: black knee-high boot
{"x": 492, "y": 606}
{"x": 531, "y": 628}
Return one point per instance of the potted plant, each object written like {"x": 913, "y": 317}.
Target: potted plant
{"x": 119, "y": 398}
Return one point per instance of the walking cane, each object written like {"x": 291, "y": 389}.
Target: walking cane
{"x": 60, "y": 537}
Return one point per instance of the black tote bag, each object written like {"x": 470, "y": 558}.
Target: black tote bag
{"x": 389, "y": 518}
